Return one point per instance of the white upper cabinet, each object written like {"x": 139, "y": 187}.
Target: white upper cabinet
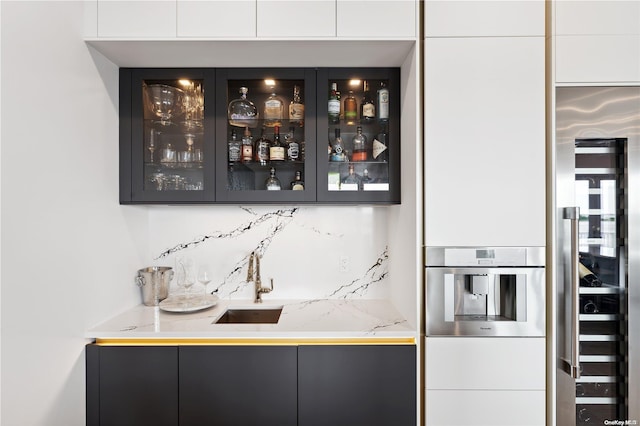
{"x": 216, "y": 18}
{"x": 446, "y": 18}
{"x": 485, "y": 141}
{"x": 376, "y": 19}
{"x": 597, "y": 17}
{"x": 136, "y": 18}
{"x": 296, "y": 18}
{"x": 597, "y": 42}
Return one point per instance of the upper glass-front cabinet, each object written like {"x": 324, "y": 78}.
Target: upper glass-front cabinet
{"x": 359, "y": 118}
{"x": 259, "y": 136}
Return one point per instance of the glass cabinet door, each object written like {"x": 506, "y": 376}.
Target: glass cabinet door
{"x": 170, "y": 144}
{"x": 360, "y": 131}
{"x": 265, "y": 135}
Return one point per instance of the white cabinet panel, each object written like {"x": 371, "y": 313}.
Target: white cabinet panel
{"x": 597, "y": 17}
{"x": 216, "y": 18}
{"x": 446, "y": 18}
{"x": 296, "y": 18}
{"x": 481, "y": 363}
{"x": 376, "y": 19}
{"x": 485, "y": 141}
{"x": 485, "y": 408}
{"x": 598, "y": 58}
{"x": 137, "y": 18}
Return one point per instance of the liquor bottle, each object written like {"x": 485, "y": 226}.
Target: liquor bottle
{"x": 359, "y": 146}
{"x": 273, "y": 110}
{"x": 242, "y": 112}
{"x": 588, "y": 278}
{"x": 234, "y": 148}
{"x": 298, "y": 183}
{"x": 273, "y": 183}
{"x": 334, "y": 104}
{"x": 337, "y": 149}
{"x": 350, "y": 108}
{"x": 365, "y": 178}
{"x": 380, "y": 147}
{"x": 293, "y": 147}
{"x": 261, "y": 149}
{"x": 352, "y": 181}
{"x": 276, "y": 150}
{"x": 247, "y": 146}
{"x": 367, "y": 107}
{"x": 383, "y": 103}
{"x": 296, "y": 107}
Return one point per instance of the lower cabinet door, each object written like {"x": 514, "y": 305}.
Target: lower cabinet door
{"x": 238, "y": 385}
{"x": 357, "y": 385}
{"x": 485, "y": 408}
{"x": 134, "y": 386}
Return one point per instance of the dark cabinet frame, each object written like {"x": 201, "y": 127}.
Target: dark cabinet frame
{"x": 316, "y": 83}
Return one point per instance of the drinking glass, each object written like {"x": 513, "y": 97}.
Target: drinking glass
{"x": 185, "y": 275}
{"x": 204, "y": 275}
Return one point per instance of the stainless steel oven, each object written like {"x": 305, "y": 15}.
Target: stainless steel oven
{"x": 485, "y": 291}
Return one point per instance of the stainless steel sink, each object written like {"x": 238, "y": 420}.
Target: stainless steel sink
{"x": 250, "y": 316}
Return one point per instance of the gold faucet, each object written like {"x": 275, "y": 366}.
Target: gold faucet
{"x": 256, "y": 279}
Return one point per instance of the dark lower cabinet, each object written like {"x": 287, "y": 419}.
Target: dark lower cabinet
{"x": 132, "y": 386}
{"x": 238, "y": 385}
{"x": 357, "y": 385}
{"x": 251, "y": 385}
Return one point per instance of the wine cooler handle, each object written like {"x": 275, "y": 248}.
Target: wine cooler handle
{"x": 573, "y": 214}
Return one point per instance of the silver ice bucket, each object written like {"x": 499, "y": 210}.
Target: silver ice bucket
{"x": 154, "y": 283}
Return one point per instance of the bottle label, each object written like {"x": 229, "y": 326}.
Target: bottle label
{"x": 378, "y": 148}
{"x": 276, "y": 153}
{"x": 263, "y": 151}
{"x": 334, "y": 106}
{"x": 272, "y": 109}
{"x": 368, "y": 111}
{"x": 383, "y": 104}
{"x": 296, "y": 112}
{"x": 293, "y": 152}
{"x": 234, "y": 151}
{"x": 273, "y": 187}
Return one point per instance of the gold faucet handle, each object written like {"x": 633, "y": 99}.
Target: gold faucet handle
{"x": 250, "y": 268}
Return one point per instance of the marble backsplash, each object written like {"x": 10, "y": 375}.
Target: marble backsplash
{"x": 328, "y": 252}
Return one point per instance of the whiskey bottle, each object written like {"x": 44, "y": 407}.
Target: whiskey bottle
{"x": 293, "y": 147}
{"x": 272, "y": 183}
{"x": 337, "y": 149}
{"x": 242, "y": 112}
{"x": 273, "y": 110}
{"x": 296, "y": 108}
{"x": 365, "y": 179}
{"x": 380, "y": 147}
{"x": 247, "y": 146}
{"x": 334, "y": 104}
{"x": 234, "y": 148}
{"x": 276, "y": 150}
{"x": 367, "y": 107}
{"x": 383, "y": 103}
{"x": 350, "y": 108}
{"x": 261, "y": 149}
{"x": 298, "y": 183}
{"x": 352, "y": 182}
{"x": 359, "y": 146}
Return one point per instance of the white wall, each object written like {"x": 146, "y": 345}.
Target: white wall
{"x": 68, "y": 248}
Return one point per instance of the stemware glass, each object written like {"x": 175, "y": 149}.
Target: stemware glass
{"x": 152, "y": 143}
{"x": 204, "y": 275}
{"x": 164, "y": 101}
{"x": 184, "y": 275}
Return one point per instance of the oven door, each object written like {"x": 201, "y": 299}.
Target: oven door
{"x": 485, "y": 301}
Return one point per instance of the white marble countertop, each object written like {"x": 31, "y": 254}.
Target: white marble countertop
{"x": 308, "y": 319}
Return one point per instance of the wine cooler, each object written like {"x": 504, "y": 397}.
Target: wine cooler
{"x": 597, "y": 255}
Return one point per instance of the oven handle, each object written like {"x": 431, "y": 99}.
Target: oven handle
{"x": 572, "y": 366}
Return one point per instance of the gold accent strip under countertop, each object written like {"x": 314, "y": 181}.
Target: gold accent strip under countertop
{"x": 256, "y": 341}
